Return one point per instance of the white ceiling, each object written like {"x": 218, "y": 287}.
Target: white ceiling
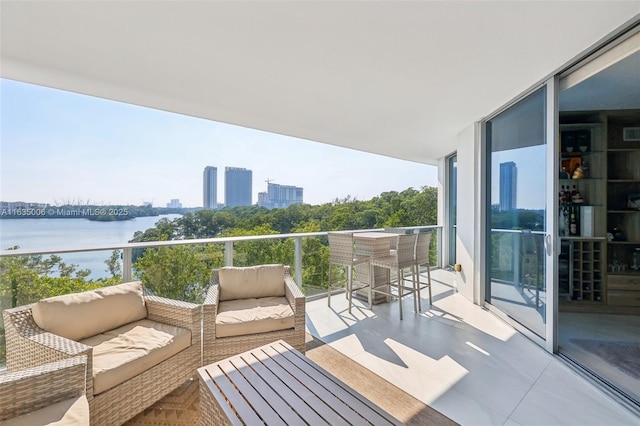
{"x": 400, "y": 79}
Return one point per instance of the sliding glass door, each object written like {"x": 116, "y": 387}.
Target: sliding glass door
{"x": 517, "y": 217}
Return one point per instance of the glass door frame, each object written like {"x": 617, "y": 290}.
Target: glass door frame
{"x": 552, "y": 238}
{"x": 450, "y": 218}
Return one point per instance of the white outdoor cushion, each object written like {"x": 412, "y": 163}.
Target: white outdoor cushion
{"x": 80, "y": 315}
{"x": 70, "y": 412}
{"x": 254, "y": 281}
{"x": 250, "y": 316}
{"x": 125, "y": 352}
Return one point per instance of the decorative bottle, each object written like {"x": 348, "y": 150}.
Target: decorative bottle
{"x": 573, "y": 224}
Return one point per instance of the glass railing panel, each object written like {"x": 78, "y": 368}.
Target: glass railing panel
{"x": 176, "y": 269}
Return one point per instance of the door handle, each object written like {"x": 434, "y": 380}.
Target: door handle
{"x": 547, "y": 244}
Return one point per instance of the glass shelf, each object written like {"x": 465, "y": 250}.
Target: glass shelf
{"x": 579, "y": 126}
{"x": 578, "y": 153}
{"x": 576, "y": 180}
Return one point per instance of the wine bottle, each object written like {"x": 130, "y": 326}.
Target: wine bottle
{"x": 573, "y": 224}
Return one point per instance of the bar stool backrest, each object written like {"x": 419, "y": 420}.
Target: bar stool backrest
{"x": 341, "y": 248}
{"x": 406, "y": 245}
{"x": 400, "y": 231}
{"x": 422, "y": 248}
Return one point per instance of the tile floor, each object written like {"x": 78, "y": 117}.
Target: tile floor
{"x": 463, "y": 361}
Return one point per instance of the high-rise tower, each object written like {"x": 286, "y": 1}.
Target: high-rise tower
{"x": 237, "y": 186}
{"x": 508, "y": 186}
{"x": 210, "y": 187}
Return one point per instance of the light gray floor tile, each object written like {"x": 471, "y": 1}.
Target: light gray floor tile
{"x": 463, "y": 361}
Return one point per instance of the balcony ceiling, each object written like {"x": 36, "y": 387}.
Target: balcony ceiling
{"x": 400, "y": 79}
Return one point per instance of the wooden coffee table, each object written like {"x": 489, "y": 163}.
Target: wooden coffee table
{"x": 277, "y": 385}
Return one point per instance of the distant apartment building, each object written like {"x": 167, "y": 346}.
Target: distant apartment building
{"x": 210, "y": 187}
{"x": 508, "y": 186}
{"x": 174, "y": 204}
{"x": 237, "y": 186}
{"x": 279, "y": 196}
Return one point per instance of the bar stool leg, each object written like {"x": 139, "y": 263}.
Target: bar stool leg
{"x": 349, "y": 286}
{"x": 416, "y": 273}
{"x": 329, "y": 287}
{"x": 400, "y": 286}
{"x": 370, "y": 286}
{"x": 429, "y": 281}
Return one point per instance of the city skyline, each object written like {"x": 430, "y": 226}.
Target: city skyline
{"x": 60, "y": 147}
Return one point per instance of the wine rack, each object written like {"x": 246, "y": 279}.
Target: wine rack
{"x": 587, "y": 278}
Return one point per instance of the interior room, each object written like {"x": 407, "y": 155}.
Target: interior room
{"x": 599, "y": 221}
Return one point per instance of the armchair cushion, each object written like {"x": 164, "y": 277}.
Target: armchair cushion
{"x": 125, "y": 352}
{"x": 241, "y": 317}
{"x": 81, "y": 315}
{"x": 70, "y": 412}
{"x": 256, "y": 281}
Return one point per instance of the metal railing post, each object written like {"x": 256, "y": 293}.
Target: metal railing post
{"x": 439, "y": 248}
{"x": 297, "y": 259}
{"x": 228, "y": 253}
{"x": 516, "y": 258}
{"x": 127, "y": 264}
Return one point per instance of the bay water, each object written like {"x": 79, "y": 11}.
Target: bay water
{"x": 50, "y": 234}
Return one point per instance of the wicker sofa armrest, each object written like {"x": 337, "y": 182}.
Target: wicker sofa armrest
{"x": 294, "y": 294}
{"x": 174, "y": 312}
{"x": 25, "y": 391}
{"x": 210, "y": 308}
{"x": 28, "y": 345}
{"x": 213, "y": 292}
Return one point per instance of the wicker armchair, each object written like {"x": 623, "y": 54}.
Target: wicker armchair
{"x": 28, "y": 345}
{"x": 216, "y": 348}
{"x": 47, "y": 391}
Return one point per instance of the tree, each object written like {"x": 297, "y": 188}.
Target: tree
{"x": 113, "y": 265}
{"x": 260, "y": 251}
{"x": 27, "y": 279}
{"x": 180, "y": 272}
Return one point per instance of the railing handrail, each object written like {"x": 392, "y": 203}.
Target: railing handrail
{"x": 215, "y": 240}
{"x": 515, "y": 231}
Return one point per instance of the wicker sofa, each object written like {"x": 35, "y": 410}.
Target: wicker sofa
{"x": 250, "y": 307}
{"x": 50, "y": 393}
{"x": 139, "y": 347}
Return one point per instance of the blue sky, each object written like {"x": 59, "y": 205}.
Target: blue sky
{"x": 59, "y": 147}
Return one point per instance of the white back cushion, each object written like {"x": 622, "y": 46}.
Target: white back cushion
{"x": 81, "y": 315}
{"x": 254, "y": 281}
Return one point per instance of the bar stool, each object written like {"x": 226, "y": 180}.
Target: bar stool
{"x": 423, "y": 243}
{"x": 400, "y": 259}
{"x": 341, "y": 253}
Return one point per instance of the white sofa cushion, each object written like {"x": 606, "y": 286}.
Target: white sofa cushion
{"x": 125, "y": 352}
{"x": 70, "y": 412}
{"x": 80, "y": 315}
{"x": 250, "y": 316}
{"x": 254, "y": 281}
